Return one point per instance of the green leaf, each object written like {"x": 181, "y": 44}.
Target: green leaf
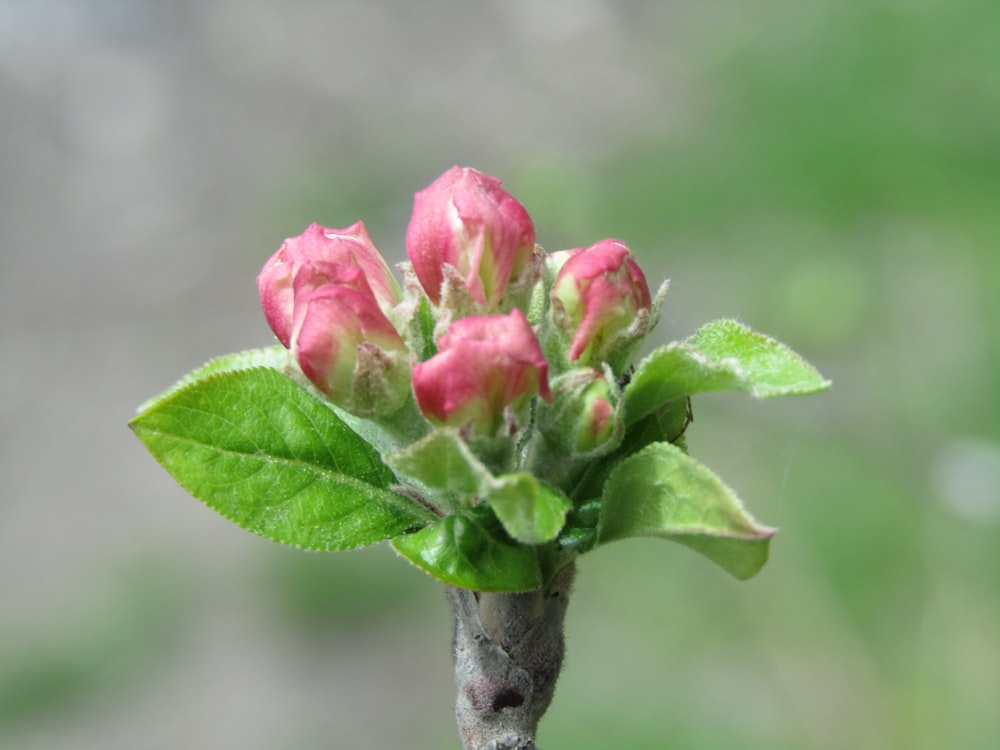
{"x": 579, "y": 535}
{"x": 722, "y": 356}
{"x": 442, "y": 461}
{"x": 278, "y": 358}
{"x": 672, "y": 419}
{"x": 666, "y": 425}
{"x": 264, "y": 453}
{"x": 470, "y": 550}
{"x": 273, "y": 357}
{"x": 661, "y": 491}
{"x": 530, "y": 511}
{"x": 769, "y": 367}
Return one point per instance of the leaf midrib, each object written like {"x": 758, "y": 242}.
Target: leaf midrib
{"x": 320, "y": 472}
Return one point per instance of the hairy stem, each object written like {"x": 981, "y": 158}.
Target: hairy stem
{"x": 508, "y": 650}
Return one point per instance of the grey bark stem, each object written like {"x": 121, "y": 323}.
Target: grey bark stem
{"x": 508, "y": 651}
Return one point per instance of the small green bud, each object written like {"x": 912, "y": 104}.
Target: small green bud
{"x": 585, "y": 418}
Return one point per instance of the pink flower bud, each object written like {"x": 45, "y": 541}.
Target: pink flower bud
{"x": 600, "y": 297}
{"x": 351, "y": 247}
{"x": 484, "y": 364}
{"x": 344, "y": 343}
{"x": 325, "y": 294}
{"x": 466, "y": 220}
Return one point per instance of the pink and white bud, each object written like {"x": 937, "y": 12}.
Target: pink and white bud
{"x": 345, "y": 344}
{"x": 485, "y": 365}
{"x": 464, "y": 219}
{"x": 321, "y": 246}
{"x": 601, "y": 299}
{"x": 325, "y": 294}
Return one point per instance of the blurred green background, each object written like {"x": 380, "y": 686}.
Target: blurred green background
{"x": 827, "y": 172}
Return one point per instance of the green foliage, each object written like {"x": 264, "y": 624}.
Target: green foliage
{"x": 579, "y": 535}
{"x": 442, "y": 461}
{"x": 471, "y": 550}
{"x": 273, "y": 456}
{"x": 722, "y": 356}
{"x": 530, "y": 511}
{"x": 274, "y": 357}
{"x": 661, "y": 491}
{"x": 264, "y": 453}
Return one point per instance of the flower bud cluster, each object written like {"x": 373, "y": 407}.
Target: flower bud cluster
{"x": 333, "y": 302}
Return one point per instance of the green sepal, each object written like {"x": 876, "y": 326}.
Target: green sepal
{"x": 531, "y": 511}
{"x": 423, "y": 328}
{"x": 471, "y": 550}
{"x": 663, "y": 492}
{"x": 724, "y": 355}
{"x": 262, "y": 451}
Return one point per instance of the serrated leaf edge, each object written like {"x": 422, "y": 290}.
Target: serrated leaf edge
{"x": 196, "y": 376}
{"x": 760, "y": 531}
{"x": 732, "y": 363}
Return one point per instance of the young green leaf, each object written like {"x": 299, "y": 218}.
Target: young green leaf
{"x": 261, "y": 451}
{"x": 274, "y": 357}
{"x": 665, "y": 425}
{"x": 470, "y": 550}
{"x": 722, "y": 356}
{"x": 442, "y": 461}
{"x": 661, "y": 491}
{"x": 770, "y": 367}
{"x": 530, "y": 511}
{"x": 579, "y": 535}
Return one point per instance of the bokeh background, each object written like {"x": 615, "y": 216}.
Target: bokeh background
{"x": 829, "y": 172}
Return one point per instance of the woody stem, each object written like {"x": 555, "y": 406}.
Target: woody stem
{"x": 508, "y": 651}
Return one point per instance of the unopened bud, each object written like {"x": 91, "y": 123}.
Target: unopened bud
{"x": 585, "y": 417}
{"x": 601, "y": 300}
{"x": 465, "y": 220}
{"x": 486, "y": 365}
